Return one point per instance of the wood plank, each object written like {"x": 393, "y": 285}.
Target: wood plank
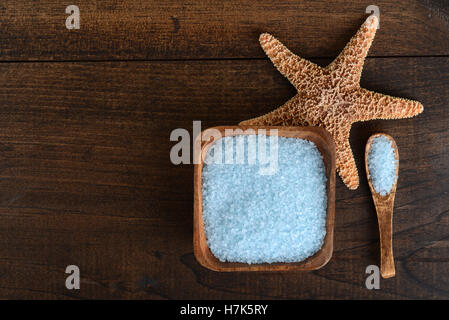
{"x": 135, "y": 29}
{"x": 85, "y": 179}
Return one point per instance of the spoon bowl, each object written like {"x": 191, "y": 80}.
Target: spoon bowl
{"x": 384, "y": 208}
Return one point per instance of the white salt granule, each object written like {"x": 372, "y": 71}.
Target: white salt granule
{"x": 255, "y": 218}
{"x": 382, "y": 165}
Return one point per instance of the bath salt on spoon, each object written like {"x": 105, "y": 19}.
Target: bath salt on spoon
{"x": 382, "y": 167}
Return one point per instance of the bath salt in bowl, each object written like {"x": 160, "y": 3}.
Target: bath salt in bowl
{"x": 264, "y": 199}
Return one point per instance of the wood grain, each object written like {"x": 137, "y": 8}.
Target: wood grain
{"x": 136, "y": 29}
{"x": 85, "y": 179}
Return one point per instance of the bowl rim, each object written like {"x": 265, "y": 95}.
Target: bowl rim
{"x": 325, "y": 144}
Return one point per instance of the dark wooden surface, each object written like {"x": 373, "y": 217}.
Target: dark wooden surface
{"x": 85, "y": 174}
{"x": 139, "y": 29}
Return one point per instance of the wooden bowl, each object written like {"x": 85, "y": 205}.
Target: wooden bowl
{"x": 325, "y": 145}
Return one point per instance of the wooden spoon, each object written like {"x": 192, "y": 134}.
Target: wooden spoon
{"x": 384, "y": 207}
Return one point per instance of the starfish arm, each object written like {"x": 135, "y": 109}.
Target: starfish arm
{"x": 294, "y": 68}
{"x": 345, "y": 162}
{"x": 289, "y": 114}
{"x": 373, "y": 105}
{"x": 349, "y": 64}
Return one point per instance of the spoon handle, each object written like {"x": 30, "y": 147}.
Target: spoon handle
{"x": 385, "y": 220}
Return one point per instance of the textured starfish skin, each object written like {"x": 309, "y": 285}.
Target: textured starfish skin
{"x": 331, "y": 97}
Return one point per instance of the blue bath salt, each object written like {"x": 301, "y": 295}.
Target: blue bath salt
{"x": 382, "y": 165}
{"x": 261, "y": 216}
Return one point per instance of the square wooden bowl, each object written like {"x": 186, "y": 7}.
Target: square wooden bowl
{"x": 325, "y": 145}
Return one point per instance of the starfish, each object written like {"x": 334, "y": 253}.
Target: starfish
{"x": 331, "y": 97}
